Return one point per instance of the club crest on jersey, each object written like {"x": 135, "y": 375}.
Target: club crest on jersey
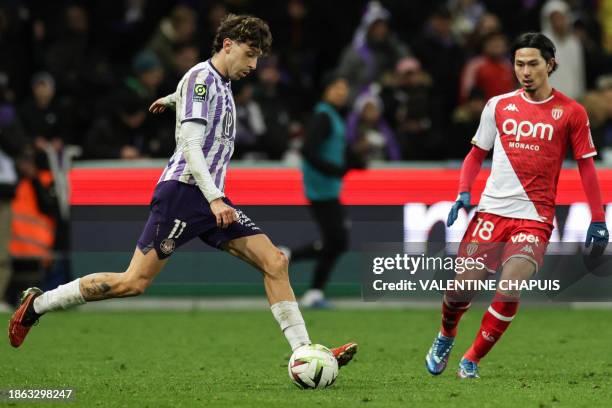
{"x": 557, "y": 112}
{"x": 167, "y": 246}
{"x": 199, "y": 92}
{"x": 472, "y": 248}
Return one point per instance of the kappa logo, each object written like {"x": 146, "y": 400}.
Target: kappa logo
{"x": 511, "y": 107}
{"x": 528, "y": 249}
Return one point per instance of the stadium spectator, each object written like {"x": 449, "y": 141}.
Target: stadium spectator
{"x": 599, "y": 106}
{"x": 605, "y": 16}
{"x": 147, "y": 78}
{"x": 214, "y": 14}
{"x": 11, "y": 138}
{"x": 12, "y": 58}
{"x": 33, "y": 226}
{"x": 466, "y": 16}
{"x": 413, "y": 111}
{"x": 88, "y": 48}
{"x": 276, "y": 102}
{"x": 464, "y": 125}
{"x": 78, "y": 66}
{"x": 74, "y": 60}
{"x": 441, "y": 56}
{"x": 298, "y": 38}
{"x": 487, "y": 24}
{"x": 146, "y": 85}
{"x": 368, "y": 131}
{"x": 491, "y": 71}
{"x": 250, "y": 123}
{"x": 597, "y": 62}
{"x": 44, "y": 116}
{"x": 179, "y": 28}
{"x": 185, "y": 56}
{"x": 373, "y": 52}
{"x": 123, "y": 27}
{"x": 556, "y": 24}
{"x": 120, "y": 135}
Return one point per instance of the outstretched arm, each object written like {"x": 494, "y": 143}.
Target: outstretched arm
{"x": 597, "y": 232}
{"x": 588, "y": 175}
{"x": 469, "y": 170}
{"x": 160, "y": 105}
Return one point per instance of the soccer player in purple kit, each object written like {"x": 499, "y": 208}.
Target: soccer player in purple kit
{"x": 189, "y": 202}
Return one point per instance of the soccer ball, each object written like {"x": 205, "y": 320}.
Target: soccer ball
{"x": 313, "y": 366}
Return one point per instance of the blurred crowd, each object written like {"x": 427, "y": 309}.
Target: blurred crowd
{"x": 84, "y": 72}
{"x": 77, "y": 77}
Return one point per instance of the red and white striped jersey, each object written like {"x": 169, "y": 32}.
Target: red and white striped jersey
{"x": 529, "y": 141}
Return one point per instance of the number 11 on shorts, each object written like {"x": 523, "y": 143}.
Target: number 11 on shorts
{"x": 177, "y": 224}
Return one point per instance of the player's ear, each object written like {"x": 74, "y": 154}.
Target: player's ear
{"x": 227, "y": 45}
{"x": 550, "y": 65}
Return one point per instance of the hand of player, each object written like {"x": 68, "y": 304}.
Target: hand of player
{"x": 463, "y": 201}
{"x": 158, "y": 106}
{"x": 224, "y": 213}
{"x": 598, "y": 235}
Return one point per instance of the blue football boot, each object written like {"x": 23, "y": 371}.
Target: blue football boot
{"x": 467, "y": 369}
{"x": 438, "y": 354}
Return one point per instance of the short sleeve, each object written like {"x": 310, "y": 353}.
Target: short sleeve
{"x": 198, "y": 95}
{"x": 580, "y": 134}
{"x": 487, "y": 129}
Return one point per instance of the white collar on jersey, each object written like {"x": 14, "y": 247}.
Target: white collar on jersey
{"x": 552, "y": 95}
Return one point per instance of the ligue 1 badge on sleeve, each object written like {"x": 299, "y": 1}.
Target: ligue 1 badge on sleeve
{"x": 556, "y": 112}
{"x": 167, "y": 246}
{"x": 199, "y": 92}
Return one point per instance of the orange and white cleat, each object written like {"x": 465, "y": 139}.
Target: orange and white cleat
{"x": 24, "y": 317}
{"x": 344, "y": 354}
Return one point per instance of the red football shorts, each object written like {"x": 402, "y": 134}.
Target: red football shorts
{"x": 495, "y": 239}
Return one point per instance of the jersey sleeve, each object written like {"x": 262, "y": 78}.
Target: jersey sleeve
{"x": 198, "y": 96}
{"x": 580, "y": 134}
{"x": 487, "y": 129}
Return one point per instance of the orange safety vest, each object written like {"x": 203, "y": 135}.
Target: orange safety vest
{"x": 32, "y": 232}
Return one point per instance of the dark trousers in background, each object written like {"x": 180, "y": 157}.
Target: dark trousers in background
{"x": 334, "y": 229}
{"x": 5, "y": 234}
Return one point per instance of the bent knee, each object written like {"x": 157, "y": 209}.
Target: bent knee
{"x": 276, "y": 265}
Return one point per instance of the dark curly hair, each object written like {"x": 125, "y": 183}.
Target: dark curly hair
{"x": 539, "y": 41}
{"x": 243, "y": 29}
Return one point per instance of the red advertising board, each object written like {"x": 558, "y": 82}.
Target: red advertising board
{"x": 283, "y": 186}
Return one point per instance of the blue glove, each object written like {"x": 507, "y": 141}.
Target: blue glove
{"x": 598, "y": 235}
{"x": 463, "y": 201}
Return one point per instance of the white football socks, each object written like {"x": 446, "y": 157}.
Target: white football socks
{"x": 62, "y": 297}
{"x": 291, "y": 322}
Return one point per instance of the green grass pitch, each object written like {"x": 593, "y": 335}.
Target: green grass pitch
{"x": 548, "y": 358}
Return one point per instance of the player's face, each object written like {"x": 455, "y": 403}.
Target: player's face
{"x": 338, "y": 92}
{"x": 241, "y": 60}
{"x": 531, "y": 69}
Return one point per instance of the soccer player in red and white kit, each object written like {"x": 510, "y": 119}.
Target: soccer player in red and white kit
{"x": 529, "y": 131}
